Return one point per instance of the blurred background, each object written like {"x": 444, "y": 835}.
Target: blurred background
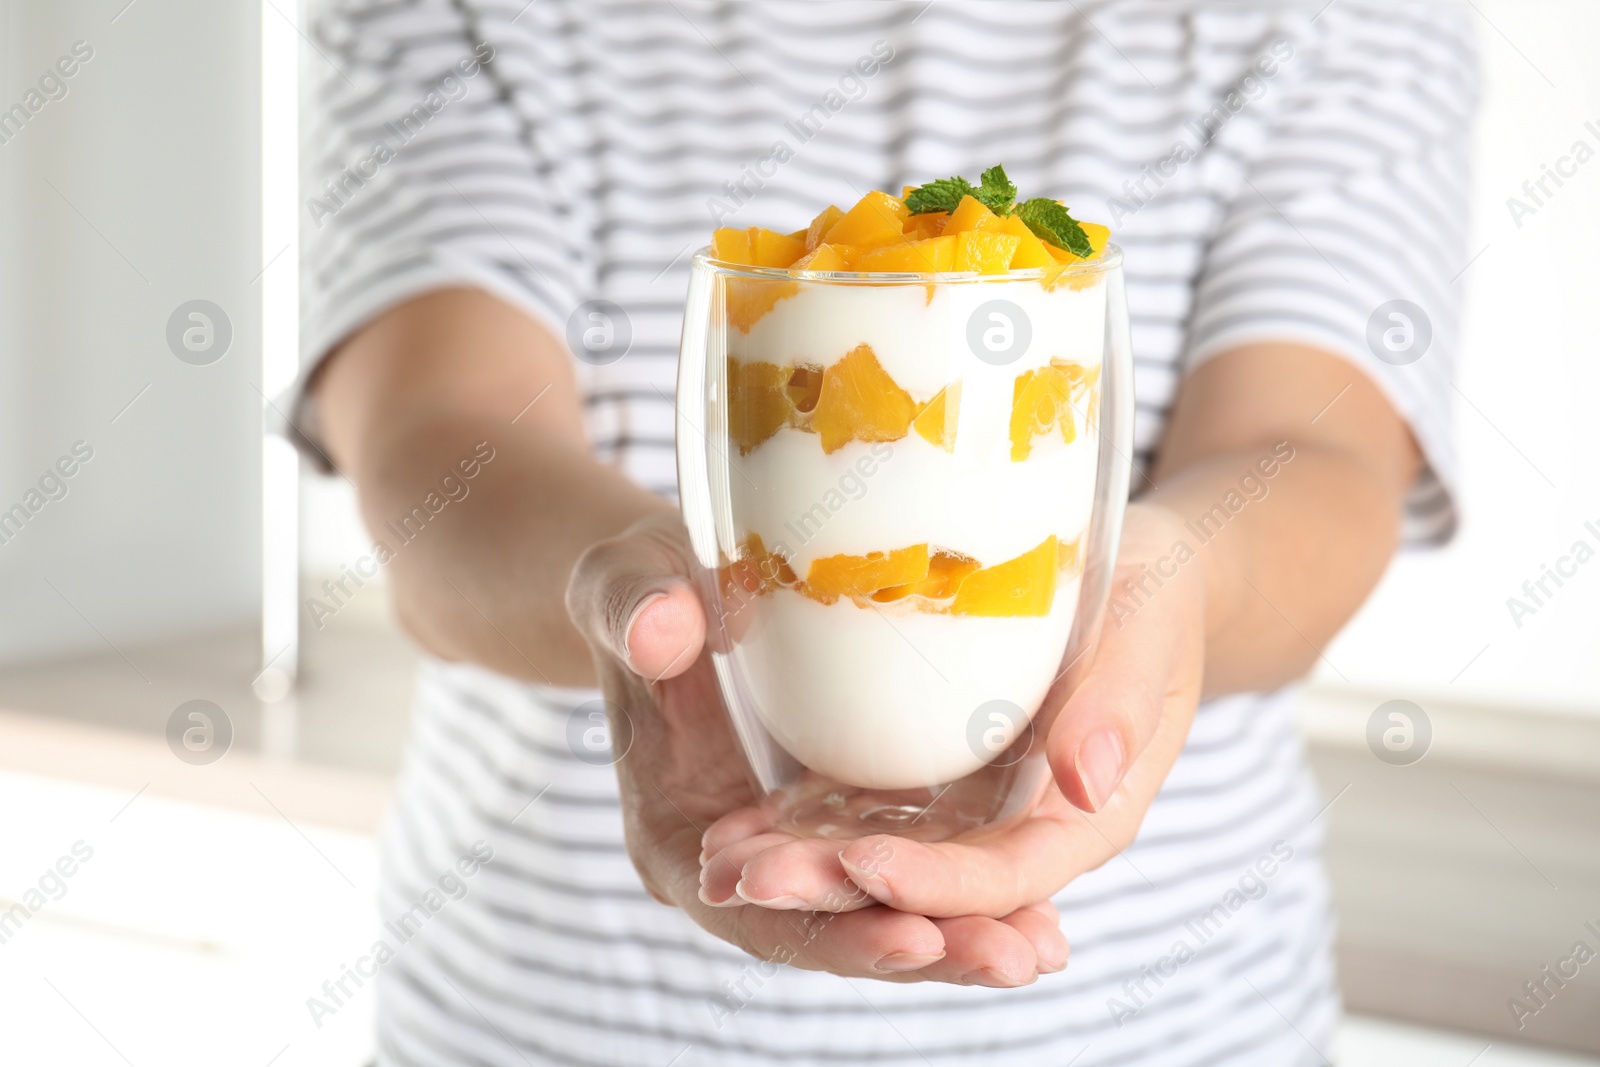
{"x": 210, "y": 760}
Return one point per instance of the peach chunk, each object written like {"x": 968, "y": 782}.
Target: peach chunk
{"x": 1041, "y": 401}
{"x": 1022, "y": 586}
{"x": 804, "y": 388}
{"x": 1031, "y": 252}
{"x": 928, "y": 256}
{"x": 821, "y": 225}
{"x": 824, "y": 257}
{"x": 771, "y": 249}
{"x": 876, "y": 219}
{"x": 755, "y": 572}
{"x": 928, "y": 224}
{"x": 832, "y": 577}
{"x": 756, "y": 247}
{"x": 757, "y": 404}
{"x": 985, "y": 251}
{"x": 946, "y": 571}
{"x": 936, "y": 422}
{"x": 971, "y": 215}
{"x": 860, "y": 402}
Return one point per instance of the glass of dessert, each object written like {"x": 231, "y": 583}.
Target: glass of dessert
{"x": 903, "y": 439}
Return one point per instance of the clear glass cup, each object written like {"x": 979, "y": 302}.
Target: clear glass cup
{"x": 904, "y": 494}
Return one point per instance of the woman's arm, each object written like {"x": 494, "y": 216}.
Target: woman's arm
{"x": 1308, "y": 540}
{"x": 402, "y": 402}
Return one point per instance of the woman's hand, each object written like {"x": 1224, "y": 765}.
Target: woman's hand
{"x": 1110, "y": 749}
{"x": 682, "y": 772}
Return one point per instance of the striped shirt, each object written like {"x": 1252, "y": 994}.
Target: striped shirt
{"x": 1273, "y": 172}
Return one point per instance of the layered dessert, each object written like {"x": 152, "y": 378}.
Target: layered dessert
{"x": 910, "y": 404}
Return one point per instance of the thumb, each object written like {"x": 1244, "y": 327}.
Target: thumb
{"x": 1143, "y": 659}
{"x": 631, "y": 597}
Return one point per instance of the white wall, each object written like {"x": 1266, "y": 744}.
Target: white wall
{"x": 1531, "y": 371}
{"x": 154, "y": 161}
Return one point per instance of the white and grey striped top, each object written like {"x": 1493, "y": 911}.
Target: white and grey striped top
{"x": 1272, "y": 170}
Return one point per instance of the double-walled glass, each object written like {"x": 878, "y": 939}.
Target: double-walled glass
{"x": 904, "y": 493}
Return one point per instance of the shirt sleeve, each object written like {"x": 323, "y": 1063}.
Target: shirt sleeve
{"x": 1348, "y": 232}
{"x": 417, "y": 174}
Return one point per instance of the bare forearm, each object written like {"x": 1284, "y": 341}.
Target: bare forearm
{"x": 484, "y": 581}
{"x": 1289, "y": 539}
{"x": 480, "y": 569}
{"x": 1286, "y": 468}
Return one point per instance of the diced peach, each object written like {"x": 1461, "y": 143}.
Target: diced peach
{"x": 757, "y": 404}
{"x": 831, "y": 577}
{"x": 860, "y": 402}
{"x": 946, "y": 571}
{"x": 1031, "y": 252}
{"x": 915, "y": 257}
{"x": 936, "y": 422}
{"x": 971, "y": 215}
{"x": 1099, "y": 236}
{"x": 731, "y": 246}
{"x": 1041, "y": 401}
{"x": 824, "y": 257}
{"x": 771, "y": 249}
{"x": 985, "y": 251}
{"x": 755, "y": 572}
{"x": 804, "y": 388}
{"x": 929, "y": 224}
{"x": 821, "y": 225}
{"x": 1024, "y": 586}
{"x": 876, "y": 219}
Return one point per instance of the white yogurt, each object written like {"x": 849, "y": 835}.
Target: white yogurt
{"x": 885, "y": 696}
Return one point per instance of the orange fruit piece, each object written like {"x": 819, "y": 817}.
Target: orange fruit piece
{"x": 756, "y": 247}
{"x": 769, "y": 248}
{"x": 876, "y": 219}
{"x": 860, "y": 402}
{"x": 946, "y": 571}
{"x": 1031, "y": 252}
{"x": 731, "y": 245}
{"x": 755, "y": 572}
{"x": 916, "y": 257}
{"x": 1024, "y": 586}
{"x": 928, "y": 224}
{"x": 821, "y": 225}
{"x": 985, "y": 251}
{"x": 1041, "y": 400}
{"x": 971, "y": 215}
{"x": 832, "y": 577}
{"x": 804, "y": 388}
{"x": 825, "y": 257}
{"x": 936, "y": 422}
{"x": 757, "y": 404}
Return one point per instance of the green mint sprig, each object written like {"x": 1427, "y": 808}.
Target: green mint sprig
{"x": 1051, "y": 222}
{"x": 1048, "y": 220}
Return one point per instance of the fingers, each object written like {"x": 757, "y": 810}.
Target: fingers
{"x": 874, "y": 943}
{"x": 1143, "y": 659}
{"x": 1027, "y": 863}
{"x": 631, "y": 596}
{"x": 986, "y": 952}
{"x": 797, "y": 874}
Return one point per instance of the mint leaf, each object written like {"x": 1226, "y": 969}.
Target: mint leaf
{"x": 941, "y": 195}
{"x": 1051, "y": 222}
{"x": 997, "y": 193}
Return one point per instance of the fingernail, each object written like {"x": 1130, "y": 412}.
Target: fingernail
{"x": 732, "y": 902}
{"x": 1100, "y": 766}
{"x": 897, "y": 962}
{"x": 988, "y": 976}
{"x": 871, "y": 881}
{"x": 638, "y": 610}
{"x": 779, "y": 903}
